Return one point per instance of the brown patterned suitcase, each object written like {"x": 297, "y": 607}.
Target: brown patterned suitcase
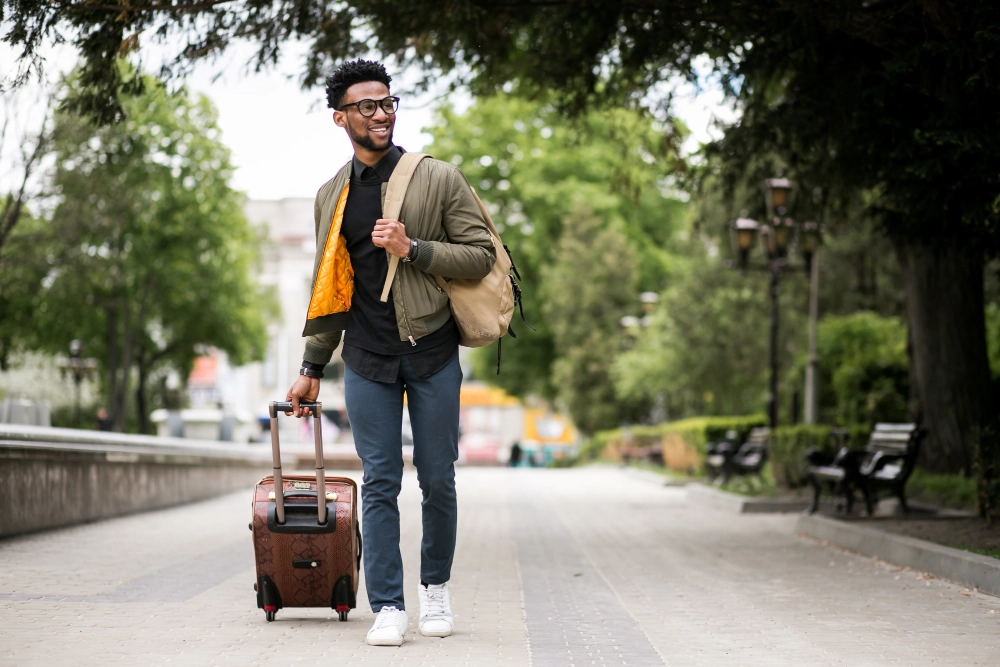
{"x": 307, "y": 551}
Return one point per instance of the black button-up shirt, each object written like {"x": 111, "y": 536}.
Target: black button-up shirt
{"x": 372, "y": 347}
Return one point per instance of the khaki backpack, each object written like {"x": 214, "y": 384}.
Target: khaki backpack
{"x": 482, "y": 307}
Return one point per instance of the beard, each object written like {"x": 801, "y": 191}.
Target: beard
{"x": 366, "y": 141}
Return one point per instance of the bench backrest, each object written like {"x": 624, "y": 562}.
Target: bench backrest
{"x": 897, "y": 439}
{"x": 757, "y": 440}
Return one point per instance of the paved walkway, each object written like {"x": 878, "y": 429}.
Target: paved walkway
{"x": 554, "y": 568}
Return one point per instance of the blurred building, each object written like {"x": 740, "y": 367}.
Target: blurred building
{"x": 491, "y": 422}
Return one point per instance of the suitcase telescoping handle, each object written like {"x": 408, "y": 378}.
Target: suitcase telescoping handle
{"x": 279, "y": 495}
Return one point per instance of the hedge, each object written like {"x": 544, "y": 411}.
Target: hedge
{"x": 787, "y": 445}
{"x": 683, "y": 441}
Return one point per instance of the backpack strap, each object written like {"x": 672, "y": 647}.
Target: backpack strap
{"x": 394, "y": 195}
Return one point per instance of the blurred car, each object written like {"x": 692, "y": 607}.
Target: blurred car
{"x": 479, "y": 449}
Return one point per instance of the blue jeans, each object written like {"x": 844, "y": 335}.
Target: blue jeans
{"x": 376, "y": 413}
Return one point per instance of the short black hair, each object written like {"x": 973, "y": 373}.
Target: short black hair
{"x": 350, "y": 73}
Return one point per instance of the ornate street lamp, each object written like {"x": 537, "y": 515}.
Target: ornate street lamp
{"x": 809, "y": 240}
{"x": 777, "y": 237}
{"x": 776, "y": 240}
{"x": 79, "y": 369}
{"x": 778, "y": 196}
{"x": 744, "y": 233}
{"x": 649, "y": 300}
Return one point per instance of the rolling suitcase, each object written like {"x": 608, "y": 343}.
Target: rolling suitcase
{"x": 306, "y": 539}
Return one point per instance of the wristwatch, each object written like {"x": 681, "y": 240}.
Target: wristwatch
{"x": 413, "y": 251}
{"x": 311, "y": 373}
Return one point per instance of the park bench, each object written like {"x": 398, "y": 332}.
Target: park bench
{"x": 725, "y": 459}
{"x": 885, "y": 463}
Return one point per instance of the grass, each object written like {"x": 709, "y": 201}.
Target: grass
{"x": 992, "y": 553}
{"x": 761, "y": 485}
{"x": 955, "y": 491}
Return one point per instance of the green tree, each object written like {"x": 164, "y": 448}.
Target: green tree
{"x": 151, "y": 256}
{"x": 589, "y": 286}
{"x": 705, "y": 348}
{"x": 22, "y": 269}
{"x": 863, "y": 368}
{"x": 993, "y": 337}
{"x": 532, "y": 170}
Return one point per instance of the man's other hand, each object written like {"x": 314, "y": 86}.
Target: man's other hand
{"x": 303, "y": 389}
{"x": 391, "y": 235}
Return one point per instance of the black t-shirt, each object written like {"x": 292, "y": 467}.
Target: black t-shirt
{"x": 371, "y": 343}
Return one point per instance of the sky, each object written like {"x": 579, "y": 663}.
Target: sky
{"x": 282, "y": 138}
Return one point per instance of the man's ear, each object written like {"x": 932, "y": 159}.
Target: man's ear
{"x": 340, "y": 118}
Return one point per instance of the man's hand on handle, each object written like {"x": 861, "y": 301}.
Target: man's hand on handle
{"x": 303, "y": 389}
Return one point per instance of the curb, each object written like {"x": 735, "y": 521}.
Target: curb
{"x": 706, "y": 496}
{"x": 970, "y": 569}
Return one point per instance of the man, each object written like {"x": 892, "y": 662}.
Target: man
{"x": 406, "y": 344}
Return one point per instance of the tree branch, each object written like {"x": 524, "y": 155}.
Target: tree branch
{"x": 155, "y": 7}
{"x": 14, "y": 204}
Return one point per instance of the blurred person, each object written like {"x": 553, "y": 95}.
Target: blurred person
{"x": 103, "y": 422}
{"x": 515, "y": 455}
{"x": 406, "y": 344}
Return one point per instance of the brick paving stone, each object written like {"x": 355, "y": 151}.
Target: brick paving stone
{"x": 661, "y": 582}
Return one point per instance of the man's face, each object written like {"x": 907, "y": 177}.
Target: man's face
{"x": 374, "y": 132}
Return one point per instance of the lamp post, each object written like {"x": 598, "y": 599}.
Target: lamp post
{"x": 776, "y": 240}
{"x": 809, "y": 241}
{"x": 79, "y": 369}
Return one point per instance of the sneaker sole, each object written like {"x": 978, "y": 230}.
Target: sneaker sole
{"x": 436, "y": 634}
{"x": 384, "y": 642}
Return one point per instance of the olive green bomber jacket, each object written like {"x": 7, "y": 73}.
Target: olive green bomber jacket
{"x": 441, "y": 212}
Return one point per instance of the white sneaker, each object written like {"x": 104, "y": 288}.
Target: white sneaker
{"x": 389, "y": 627}
{"x": 436, "y": 619}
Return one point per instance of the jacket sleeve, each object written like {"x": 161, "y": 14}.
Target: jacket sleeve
{"x": 469, "y": 251}
{"x": 320, "y": 347}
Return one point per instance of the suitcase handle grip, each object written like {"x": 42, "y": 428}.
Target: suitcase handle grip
{"x": 279, "y": 498}
{"x": 286, "y": 406}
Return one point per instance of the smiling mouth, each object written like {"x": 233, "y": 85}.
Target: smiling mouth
{"x": 380, "y": 131}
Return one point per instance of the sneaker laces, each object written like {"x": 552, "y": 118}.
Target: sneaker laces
{"x": 386, "y": 617}
{"x": 434, "y": 602}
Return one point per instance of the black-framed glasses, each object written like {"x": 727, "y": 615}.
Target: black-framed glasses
{"x": 368, "y": 107}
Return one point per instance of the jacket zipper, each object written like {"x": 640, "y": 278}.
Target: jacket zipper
{"x": 406, "y": 312}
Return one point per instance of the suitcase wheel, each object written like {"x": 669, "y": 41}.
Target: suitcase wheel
{"x": 270, "y": 613}
{"x": 342, "y": 615}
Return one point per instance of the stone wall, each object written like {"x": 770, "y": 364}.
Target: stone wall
{"x": 60, "y": 477}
